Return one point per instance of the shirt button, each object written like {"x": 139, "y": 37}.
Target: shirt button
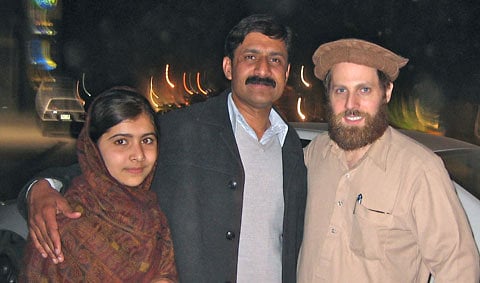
{"x": 347, "y": 175}
{"x": 232, "y": 185}
{"x": 340, "y": 203}
{"x": 333, "y": 230}
{"x": 230, "y": 235}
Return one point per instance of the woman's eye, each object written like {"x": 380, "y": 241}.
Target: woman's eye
{"x": 148, "y": 141}
{"x": 120, "y": 142}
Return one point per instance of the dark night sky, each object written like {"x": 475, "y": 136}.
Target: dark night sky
{"x": 127, "y": 41}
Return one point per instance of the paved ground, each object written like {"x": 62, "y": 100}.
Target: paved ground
{"x": 26, "y": 150}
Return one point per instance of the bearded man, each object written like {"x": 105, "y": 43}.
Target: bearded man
{"x": 380, "y": 207}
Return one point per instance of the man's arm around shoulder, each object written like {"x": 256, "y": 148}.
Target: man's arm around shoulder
{"x": 42, "y": 203}
{"x": 62, "y": 175}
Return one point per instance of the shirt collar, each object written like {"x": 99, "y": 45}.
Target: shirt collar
{"x": 277, "y": 127}
{"x": 378, "y": 152}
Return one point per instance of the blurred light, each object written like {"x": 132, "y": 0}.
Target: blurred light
{"x": 46, "y": 4}
{"x": 40, "y": 54}
{"x": 39, "y": 19}
{"x": 189, "y": 91}
{"x": 83, "y": 85}
{"x": 198, "y": 84}
{"x": 429, "y": 120}
{"x": 407, "y": 113}
{"x": 167, "y": 77}
{"x": 299, "y": 110}
{"x": 40, "y": 75}
{"x": 153, "y": 96}
{"x": 40, "y": 22}
{"x": 302, "y": 77}
{"x": 77, "y": 94}
{"x": 43, "y": 30}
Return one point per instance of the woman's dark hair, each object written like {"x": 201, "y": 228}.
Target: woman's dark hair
{"x": 264, "y": 24}
{"x": 114, "y": 106}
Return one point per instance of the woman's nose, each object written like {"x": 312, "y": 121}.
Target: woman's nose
{"x": 137, "y": 154}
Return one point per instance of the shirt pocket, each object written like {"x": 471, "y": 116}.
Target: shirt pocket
{"x": 369, "y": 232}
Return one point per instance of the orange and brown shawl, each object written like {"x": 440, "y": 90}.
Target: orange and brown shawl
{"x": 122, "y": 236}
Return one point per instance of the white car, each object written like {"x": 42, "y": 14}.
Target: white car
{"x": 58, "y": 101}
{"x": 461, "y": 159}
{"x": 60, "y": 109}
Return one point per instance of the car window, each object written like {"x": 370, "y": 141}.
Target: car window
{"x": 64, "y": 104}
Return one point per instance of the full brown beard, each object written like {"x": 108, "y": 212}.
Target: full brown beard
{"x": 352, "y": 137}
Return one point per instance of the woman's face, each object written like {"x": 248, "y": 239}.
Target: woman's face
{"x": 129, "y": 150}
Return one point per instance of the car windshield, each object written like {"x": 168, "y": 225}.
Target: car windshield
{"x": 65, "y": 105}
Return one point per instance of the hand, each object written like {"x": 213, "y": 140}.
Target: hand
{"x": 43, "y": 204}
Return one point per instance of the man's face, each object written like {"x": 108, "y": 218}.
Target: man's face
{"x": 357, "y": 105}
{"x": 258, "y": 71}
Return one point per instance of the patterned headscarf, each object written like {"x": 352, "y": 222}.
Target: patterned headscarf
{"x": 122, "y": 235}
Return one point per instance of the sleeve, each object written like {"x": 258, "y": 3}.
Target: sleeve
{"x": 64, "y": 175}
{"x": 444, "y": 235}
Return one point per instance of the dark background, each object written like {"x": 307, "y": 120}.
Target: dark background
{"x": 130, "y": 41}
{"x": 123, "y": 40}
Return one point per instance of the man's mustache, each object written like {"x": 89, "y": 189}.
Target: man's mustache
{"x": 353, "y": 112}
{"x": 261, "y": 81}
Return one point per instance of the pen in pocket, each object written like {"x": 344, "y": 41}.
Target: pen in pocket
{"x": 357, "y": 201}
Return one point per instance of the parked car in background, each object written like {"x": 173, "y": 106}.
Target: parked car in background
{"x": 57, "y": 100}
{"x": 462, "y": 160}
{"x": 59, "y": 106}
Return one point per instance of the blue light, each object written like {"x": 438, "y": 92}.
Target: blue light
{"x": 46, "y": 4}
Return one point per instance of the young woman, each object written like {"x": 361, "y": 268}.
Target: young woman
{"x": 122, "y": 235}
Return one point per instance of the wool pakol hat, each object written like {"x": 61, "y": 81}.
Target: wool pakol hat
{"x": 359, "y": 52}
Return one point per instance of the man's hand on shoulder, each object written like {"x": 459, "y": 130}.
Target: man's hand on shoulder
{"x": 44, "y": 203}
